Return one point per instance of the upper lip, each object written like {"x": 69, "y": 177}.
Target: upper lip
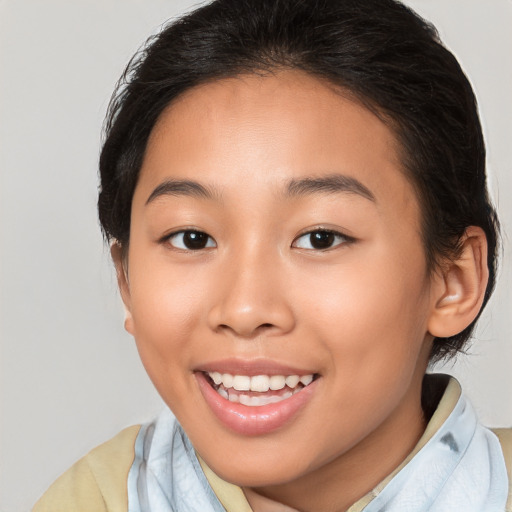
{"x": 235, "y": 366}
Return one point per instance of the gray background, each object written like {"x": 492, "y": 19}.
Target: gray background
{"x": 70, "y": 376}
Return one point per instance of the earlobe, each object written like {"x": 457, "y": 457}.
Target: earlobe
{"x": 120, "y": 264}
{"x": 459, "y": 287}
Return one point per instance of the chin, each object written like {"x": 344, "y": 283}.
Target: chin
{"x": 259, "y": 469}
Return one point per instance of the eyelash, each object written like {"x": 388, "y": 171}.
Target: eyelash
{"x": 209, "y": 242}
{"x": 333, "y": 236}
{"x": 190, "y": 232}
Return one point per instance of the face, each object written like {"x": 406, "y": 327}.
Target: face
{"x": 276, "y": 282}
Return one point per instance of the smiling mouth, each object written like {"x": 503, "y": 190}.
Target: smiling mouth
{"x": 257, "y": 390}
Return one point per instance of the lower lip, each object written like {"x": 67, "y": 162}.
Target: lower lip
{"x": 254, "y": 421}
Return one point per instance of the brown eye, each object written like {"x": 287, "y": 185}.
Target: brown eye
{"x": 191, "y": 240}
{"x": 319, "y": 240}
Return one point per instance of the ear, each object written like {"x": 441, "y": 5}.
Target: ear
{"x": 120, "y": 263}
{"x": 459, "y": 287}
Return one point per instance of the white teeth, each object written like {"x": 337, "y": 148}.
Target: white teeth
{"x": 245, "y": 399}
{"x": 216, "y": 377}
{"x": 277, "y": 382}
{"x": 227, "y": 380}
{"x": 258, "y": 401}
{"x": 306, "y": 379}
{"x": 292, "y": 381}
{"x": 242, "y": 382}
{"x": 259, "y": 383}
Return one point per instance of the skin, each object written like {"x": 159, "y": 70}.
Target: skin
{"x": 361, "y": 314}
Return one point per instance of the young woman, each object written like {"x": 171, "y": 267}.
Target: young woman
{"x": 295, "y": 196}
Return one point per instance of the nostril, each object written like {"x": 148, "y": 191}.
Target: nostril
{"x": 246, "y": 330}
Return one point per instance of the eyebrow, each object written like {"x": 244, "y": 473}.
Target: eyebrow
{"x": 172, "y": 187}
{"x": 331, "y": 184}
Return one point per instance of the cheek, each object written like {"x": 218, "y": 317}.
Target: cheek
{"x": 371, "y": 312}
{"x": 369, "y": 319}
{"x": 161, "y": 310}
{"x": 167, "y": 305}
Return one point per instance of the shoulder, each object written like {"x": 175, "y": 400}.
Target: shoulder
{"x": 505, "y": 437}
{"x": 97, "y": 481}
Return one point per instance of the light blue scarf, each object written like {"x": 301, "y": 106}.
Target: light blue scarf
{"x": 460, "y": 469}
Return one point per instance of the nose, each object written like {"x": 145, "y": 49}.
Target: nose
{"x": 252, "y": 298}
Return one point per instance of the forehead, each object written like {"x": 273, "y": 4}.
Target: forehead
{"x": 262, "y": 131}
